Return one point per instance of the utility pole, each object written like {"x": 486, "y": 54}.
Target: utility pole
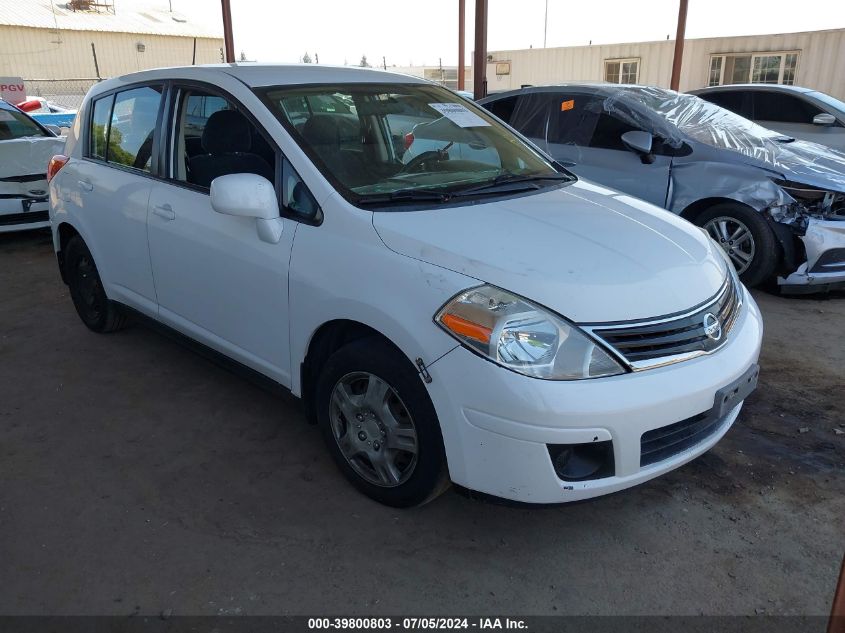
{"x": 546, "y": 24}
{"x": 479, "y": 65}
{"x": 461, "y": 38}
{"x": 675, "y": 82}
{"x": 228, "y": 40}
{"x": 384, "y": 62}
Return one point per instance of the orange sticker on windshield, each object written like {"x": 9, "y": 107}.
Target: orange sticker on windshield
{"x": 567, "y": 105}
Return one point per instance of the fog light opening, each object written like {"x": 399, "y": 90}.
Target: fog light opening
{"x": 583, "y": 462}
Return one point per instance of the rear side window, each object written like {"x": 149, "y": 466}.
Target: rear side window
{"x": 732, "y": 100}
{"x": 99, "y": 134}
{"x": 532, "y": 115}
{"x": 133, "y": 123}
{"x": 783, "y": 108}
{"x": 502, "y": 108}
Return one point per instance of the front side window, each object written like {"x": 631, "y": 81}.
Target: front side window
{"x": 15, "y": 124}
{"x": 382, "y": 139}
{"x": 213, "y": 138}
{"x": 783, "y": 108}
{"x": 133, "y": 122}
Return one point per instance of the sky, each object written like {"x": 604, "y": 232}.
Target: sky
{"x": 407, "y": 32}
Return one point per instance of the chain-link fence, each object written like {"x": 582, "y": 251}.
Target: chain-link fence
{"x": 67, "y": 93}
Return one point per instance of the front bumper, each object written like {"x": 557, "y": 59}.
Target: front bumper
{"x": 497, "y": 424}
{"x": 824, "y": 242}
{"x": 20, "y": 214}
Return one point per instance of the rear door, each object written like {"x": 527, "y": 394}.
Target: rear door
{"x": 216, "y": 280}
{"x": 111, "y": 187}
{"x": 588, "y": 140}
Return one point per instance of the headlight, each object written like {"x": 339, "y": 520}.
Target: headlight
{"x": 517, "y": 334}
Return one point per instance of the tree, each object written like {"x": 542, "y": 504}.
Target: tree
{"x": 306, "y": 59}
{"x": 364, "y": 63}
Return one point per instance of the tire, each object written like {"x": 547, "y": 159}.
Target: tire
{"x": 97, "y": 312}
{"x": 755, "y": 257}
{"x": 381, "y": 428}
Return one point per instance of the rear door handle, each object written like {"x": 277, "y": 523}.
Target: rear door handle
{"x": 165, "y": 211}
{"x": 86, "y": 185}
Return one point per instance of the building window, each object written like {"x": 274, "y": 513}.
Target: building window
{"x": 715, "y": 71}
{"x": 622, "y": 71}
{"x": 758, "y": 68}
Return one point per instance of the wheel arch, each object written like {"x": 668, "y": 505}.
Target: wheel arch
{"x": 64, "y": 232}
{"x": 693, "y": 210}
{"x": 325, "y": 340}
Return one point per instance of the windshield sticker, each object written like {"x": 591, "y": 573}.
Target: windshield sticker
{"x": 459, "y": 114}
{"x": 567, "y": 105}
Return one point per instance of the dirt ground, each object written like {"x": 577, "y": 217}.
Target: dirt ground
{"x": 137, "y": 476}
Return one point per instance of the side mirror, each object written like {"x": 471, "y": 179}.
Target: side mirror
{"x": 825, "y": 119}
{"x": 638, "y": 141}
{"x": 249, "y": 196}
{"x": 55, "y": 129}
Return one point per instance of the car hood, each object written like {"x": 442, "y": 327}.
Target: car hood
{"x": 28, "y": 156}
{"x": 587, "y": 252}
{"x": 799, "y": 161}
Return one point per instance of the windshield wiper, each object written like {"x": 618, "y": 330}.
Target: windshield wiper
{"x": 503, "y": 182}
{"x": 405, "y": 195}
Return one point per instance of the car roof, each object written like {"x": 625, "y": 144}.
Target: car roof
{"x": 598, "y": 87}
{"x": 5, "y": 105}
{"x": 768, "y": 87}
{"x": 260, "y": 75}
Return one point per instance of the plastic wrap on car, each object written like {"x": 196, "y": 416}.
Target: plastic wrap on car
{"x": 687, "y": 116}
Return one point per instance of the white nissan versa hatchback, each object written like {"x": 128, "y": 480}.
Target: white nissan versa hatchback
{"x": 471, "y": 312}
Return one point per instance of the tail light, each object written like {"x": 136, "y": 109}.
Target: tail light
{"x": 409, "y": 138}
{"x": 56, "y": 163}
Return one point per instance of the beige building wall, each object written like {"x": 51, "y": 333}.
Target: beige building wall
{"x": 821, "y": 62}
{"x": 33, "y": 53}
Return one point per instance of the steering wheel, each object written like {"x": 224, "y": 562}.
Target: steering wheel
{"x": 432, "y": 154}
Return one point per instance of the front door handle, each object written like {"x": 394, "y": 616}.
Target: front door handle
{"x": 165, "y": 211}
{"x": 86, "y": 185}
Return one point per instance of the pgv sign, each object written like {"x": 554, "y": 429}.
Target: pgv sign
{"x": 12, "y": 89}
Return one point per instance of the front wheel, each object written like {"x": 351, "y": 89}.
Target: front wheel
{"x": 746, "y": 237}
{"x": 379, "y": 424}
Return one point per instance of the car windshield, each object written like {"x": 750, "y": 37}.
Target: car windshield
{"x": 412, "y": 140}
{"x": 14, "y": 125}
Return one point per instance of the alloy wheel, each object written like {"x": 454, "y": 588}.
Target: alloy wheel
{"x": 735, "y": 238}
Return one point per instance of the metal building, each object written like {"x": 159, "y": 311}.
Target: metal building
{"x": 814, "y": 59}
{"x": 61, "y": 47}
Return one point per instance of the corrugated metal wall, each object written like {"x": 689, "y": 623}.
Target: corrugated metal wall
{"x": 821, "y": 63}
{"x": 44, "y": 54}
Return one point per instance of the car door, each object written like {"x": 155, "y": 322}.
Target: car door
{"x": 792, "y": 115}
{"x": 216, "y": 279}
{"x": 111, "y": 187}
{"x": 587, "y": 139}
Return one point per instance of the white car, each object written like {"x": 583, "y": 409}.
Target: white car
{"x": 498, "y": 324}
{"x": 25, "y": 149}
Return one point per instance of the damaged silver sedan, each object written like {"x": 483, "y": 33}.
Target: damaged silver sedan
{"x": 775, "y": 204}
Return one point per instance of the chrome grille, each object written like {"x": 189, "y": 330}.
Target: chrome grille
{"x": 654, "y": 342}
